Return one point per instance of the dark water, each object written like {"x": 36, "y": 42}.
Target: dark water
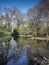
{"x": 19, "y": 52}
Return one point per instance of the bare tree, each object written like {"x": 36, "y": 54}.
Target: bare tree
{"x": 33, "y": 15}
{"x": 44, "y": 12}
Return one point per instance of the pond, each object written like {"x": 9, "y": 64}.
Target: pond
{"x": 21, "y": 51}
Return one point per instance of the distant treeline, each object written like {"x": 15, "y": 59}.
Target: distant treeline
{"x": 35, "y": 21}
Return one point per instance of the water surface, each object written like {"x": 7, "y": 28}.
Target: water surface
{"x": 20, "y": 51}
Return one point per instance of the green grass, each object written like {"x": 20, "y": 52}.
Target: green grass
{"x": 5, "y": 32}
{"x": 5, "y": 38}
{"x": 21, "y": 30}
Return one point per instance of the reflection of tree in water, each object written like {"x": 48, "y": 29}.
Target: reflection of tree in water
{"x": 47, "y": 45}
{"x": 1, "y": 47}
{"x": 29, "y": 53}
{"x": 16, "y": 50}
{"x": 33, "y": 58}
{"x": 4, "y": 52}
{"x": 36, "y": 58}
{"x": 19, "y": 52}
{"x": 3, "y": 58}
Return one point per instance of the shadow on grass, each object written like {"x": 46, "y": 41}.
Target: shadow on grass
{"x": 15, "y": 34}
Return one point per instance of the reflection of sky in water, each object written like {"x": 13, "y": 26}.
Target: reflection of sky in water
{"x": 4, "y": 44}
{"x": 18, "y": 59}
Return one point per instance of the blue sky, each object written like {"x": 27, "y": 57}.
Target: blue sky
{"x": 23, "y": 5}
